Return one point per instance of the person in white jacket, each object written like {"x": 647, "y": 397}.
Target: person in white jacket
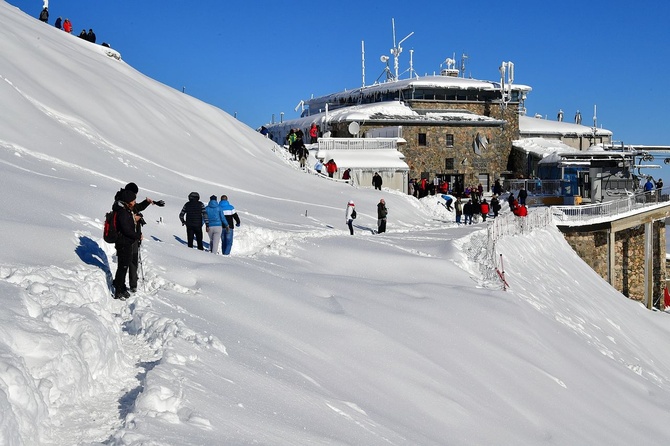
{"x": 350, "y": 216}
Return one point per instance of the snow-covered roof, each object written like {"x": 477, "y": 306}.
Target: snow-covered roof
{"x": 377, "y": 159}
{"x": 539, "y": 126}
{"x": 542, "y": 147}
{"x": 443, "y": 82}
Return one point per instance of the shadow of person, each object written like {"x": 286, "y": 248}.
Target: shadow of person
{"x": 90, "y": 252}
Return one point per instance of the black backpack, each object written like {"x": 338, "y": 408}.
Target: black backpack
{"x": 110, "y": 232}
{"x": 353, "y": 214}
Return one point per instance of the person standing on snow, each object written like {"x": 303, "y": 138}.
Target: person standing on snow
{"x": 67, "y": 26}
{"x": 350, "y": 215}
{"x": 458, "y": 207}
{"x": 313, "y": 133}
{"x": 128, "y": 236}
{"x": 44, "y": 15}
{"x": 192, "y": 215}
{"x": 59, "y": 23}
{"x": 137, "y": 209}
{"x": 382, "y": 212}
{"x": 331, "y": 168}
{"x": 377, "y": 181}
{"x": 468, "y": 212}
{"x": 318, "y": 166}
{"x": 217, "y": 224}
{"x": 231, "y": 217}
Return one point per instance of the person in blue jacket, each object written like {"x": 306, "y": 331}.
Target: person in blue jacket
{"x": 217, "y": 223}
{"x": 231, "y": 218}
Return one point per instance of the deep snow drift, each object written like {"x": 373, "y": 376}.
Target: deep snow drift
{"x": 304, "y": 335}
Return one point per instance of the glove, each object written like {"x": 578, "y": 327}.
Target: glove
{"x": 159, "y": 203}
{"x": 237, "y": 225}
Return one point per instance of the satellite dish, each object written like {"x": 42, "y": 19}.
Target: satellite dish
{"x": 354, "y": 128}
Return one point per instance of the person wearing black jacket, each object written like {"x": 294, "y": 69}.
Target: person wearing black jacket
{"x": 128, "y": 236}
{"x": 192, "y": 215}
{"x": 137, "y": 209}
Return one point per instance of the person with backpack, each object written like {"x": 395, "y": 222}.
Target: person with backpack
{"x": 231, "y": 217}
{"x": 217, "y": 224}
{"x": 137, "y": 209}
{"x": 124, "y": 222}
{"x": 44, "y": 15}
{"x": 193, "y": 215}
{"x": 59, "y": 23}
{"x": 495, "y": 205}
{"x": 350, "y": 216}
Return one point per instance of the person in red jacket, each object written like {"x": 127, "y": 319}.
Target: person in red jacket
{"x": 67, "y": 26}
{"x": 313, "y": 133}
{"x": 331, "y": 168}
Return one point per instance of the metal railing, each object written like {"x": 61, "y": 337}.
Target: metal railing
{"x": 609, "y": 209}
{"x": 357, "y": 143}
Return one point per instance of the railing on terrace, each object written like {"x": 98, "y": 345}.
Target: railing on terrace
{"x": 357, "y": 143}
{"x": 608, "y": 209}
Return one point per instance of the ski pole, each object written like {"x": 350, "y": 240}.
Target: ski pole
{"x": 139, "y": 255}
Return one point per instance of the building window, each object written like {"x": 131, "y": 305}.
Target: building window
{"x": 422, "y": 139}
{"x": 449, "y": 164}
{"x": 450, "y": 140}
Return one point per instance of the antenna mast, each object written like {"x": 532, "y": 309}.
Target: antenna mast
{"x": 363, "y": 60}
{"x": 397, "y": 49}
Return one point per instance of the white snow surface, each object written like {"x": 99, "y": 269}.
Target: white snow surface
{"x": 305, "y": 334}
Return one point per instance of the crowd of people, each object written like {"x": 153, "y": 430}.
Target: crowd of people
{"x": 219, "y": 219}
{"x": 66, "y": 25}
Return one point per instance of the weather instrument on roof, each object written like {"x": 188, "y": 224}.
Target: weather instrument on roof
{"x": 354, "y": 128}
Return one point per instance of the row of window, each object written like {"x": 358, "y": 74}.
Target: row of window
{"x": 422, "y": 141}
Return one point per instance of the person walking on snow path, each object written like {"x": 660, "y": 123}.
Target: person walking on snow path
{"x": 350, "y": 215}
{"x": 192, "y": 215}
{"x": 217, "y": 224}
{"x": 231, "y": 216}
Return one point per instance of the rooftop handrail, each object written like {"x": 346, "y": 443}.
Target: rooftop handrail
{"x": 608, "y": 209}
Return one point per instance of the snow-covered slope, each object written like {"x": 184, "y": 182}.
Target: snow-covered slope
{"x": 304, "y": 335}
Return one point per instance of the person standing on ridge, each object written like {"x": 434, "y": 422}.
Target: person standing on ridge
{"x": 231, "y": 216}
{"x": 128, "y": 236}
{"x": 59, "y": 23}
{"x": 67, "y": 26}
{"x": 44, "y": 15}
{"x": 192, "y": 215}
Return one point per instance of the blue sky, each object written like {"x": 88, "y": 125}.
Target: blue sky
{"x": 258, "y": 58}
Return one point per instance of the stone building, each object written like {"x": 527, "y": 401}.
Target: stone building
{"x": 458, "y": 129}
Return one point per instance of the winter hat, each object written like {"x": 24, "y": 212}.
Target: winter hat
{"x": 351, "y": 203}
{"x": 213, "y": 197}
{"x": 127, "y": 196}
{"x": 194, "y": 196}
{"x": 132, "y": 187}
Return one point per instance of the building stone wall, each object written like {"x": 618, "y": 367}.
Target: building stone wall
{"x": 430, "y": 160}
{"x": 628, "y": 258}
